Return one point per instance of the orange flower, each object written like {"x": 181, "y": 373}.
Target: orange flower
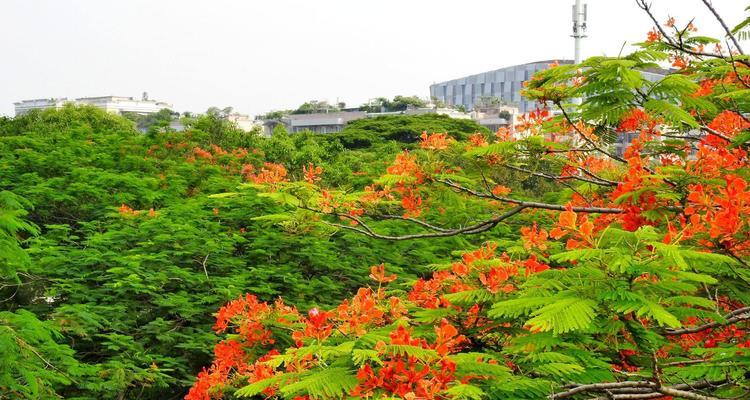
{"x": 411, "y": 203}
{"x": 436, "y": 141}
{"x": 495, "y": 277}
{"x": 532, "y": 266}
{"x": 534, "y": 237}
{"x": 653, "y": 35}
{"x": 312, "y": 173}
{"x": 478, "y": 140}
{"x": 568, "y": 218}
{"x": 271, "y": 173}
{"x": 504, "y": 134}
{"x": 405, "y": 165}
{"x": 679, "y": 62}
{"x": 500, "y": 190}
{"x": 125, "y": 210}
{"x": 377, "y": 273}
{"x": 447, "y": 338}
{"x": 729, "y": 123}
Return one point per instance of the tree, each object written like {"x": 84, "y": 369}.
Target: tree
{"x": 315, "y": 106}
{"x": 437, "y": 102}
{"x": 629, "y": 281}
{"x": 152, "y": 123}
{"x": 488, "y": 102}
{"x": 34, "y": 365}
{"x": 366, "y": 132}
{"x": 219, "y": 130}
{"x": 116, "y": 247}
{"x": 399, "y": 103}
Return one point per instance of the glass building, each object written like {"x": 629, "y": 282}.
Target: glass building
{"x": 504, "y": 83}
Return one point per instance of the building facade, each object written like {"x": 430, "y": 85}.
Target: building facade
{"x": 243, "y": 121}
{"x": 504, "y": 83}
{"x": 496, "y": 117}
{"x": 24, "y": 106}
{"x": 120, "y": 104}
{"x": 112, "y": 104}
{"x": 334, "y": 122}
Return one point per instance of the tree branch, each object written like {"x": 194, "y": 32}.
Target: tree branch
{"x": 412, "y": 220}
{"x": 601, "y": 182}
{"x": 632, "y": 390}
{"x": 740, "y": 314}
{"x": 476, "y": 228}
{"x": 600, "y": 387}
{"x": 715, "y": 133}
{"x": 586, "y": 138}
{"x": 724, "y": 25}
{"x": 679, "y": 46}
{"x": 531, "y": 204}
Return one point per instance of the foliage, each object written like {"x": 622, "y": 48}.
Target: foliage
{"x": 399, "y": 103}
{"x": 407, "y": 129}
{"x": 628, "y": 278}
{"x": 31, "y": 360}
{"x": 134, "y": 247}
{"x": 214, "y": 128}
{"x": 152, "y": 123}
{"x": 315, "y": 106}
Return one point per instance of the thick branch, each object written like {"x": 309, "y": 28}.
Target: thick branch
{"x": 600, "y": 387}
{"x": 685, "y": 394}
{"x": 476, "y": 228}
{"x": 641, "y": 390}
{"x": 715, "y": 133}
{"x": 740, "y": 314}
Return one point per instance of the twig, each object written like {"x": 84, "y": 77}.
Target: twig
{"x": 724, "y": 25}
{"x": 560, "y": 177}
{"x": 205, "y": 270}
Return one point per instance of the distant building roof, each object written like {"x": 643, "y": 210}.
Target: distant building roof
{"x": 561, "y": 62}
{"x": 334, "y": 118}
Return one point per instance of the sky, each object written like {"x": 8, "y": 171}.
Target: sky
{"x": 257, "y": 56}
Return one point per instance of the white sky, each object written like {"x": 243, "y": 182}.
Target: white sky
{"x": 258, "y": 56}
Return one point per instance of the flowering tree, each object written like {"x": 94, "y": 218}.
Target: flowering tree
{"x": 628, "y": 280}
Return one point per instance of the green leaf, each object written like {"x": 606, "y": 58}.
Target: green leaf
{"x": 564, "y": 315}
{"x": 329, "y": 383}
{"x": 258, "y": 387}
{"x": 464, "y": 391}
{"x": 670, "y": 112}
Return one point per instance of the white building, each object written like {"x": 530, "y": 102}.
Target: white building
{"x": 490, "y": 117}
{"x": 320, "y": 122}
{"x": 451, "y": 112}
{"x": 120, "y": 104}
{"x": 112, "y": 104}
{"x": 243, "y": 121}
{"x": 334, "y": 122}
{"x": 22, "y": 107}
